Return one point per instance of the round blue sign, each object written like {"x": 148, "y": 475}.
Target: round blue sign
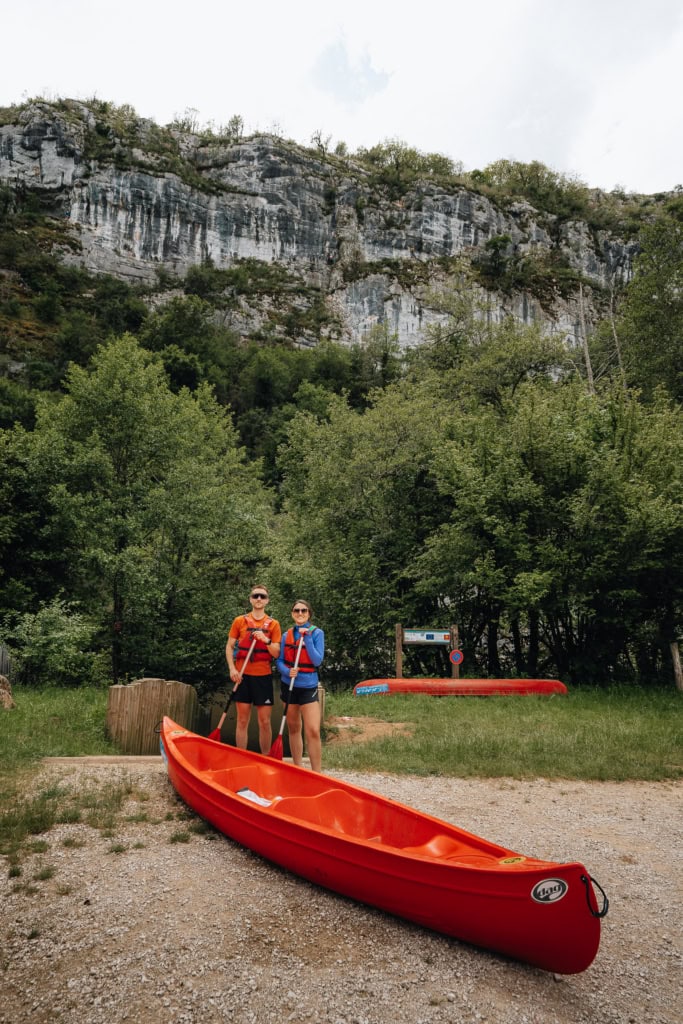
{"x": 456, "y": 657}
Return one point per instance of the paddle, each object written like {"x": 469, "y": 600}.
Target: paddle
{"x": 215, "y": 734}
{"x": 276, "y": 750}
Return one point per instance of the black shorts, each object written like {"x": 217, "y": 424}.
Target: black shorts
{"x": 299, "y": 694}
{"x": 256, "y": 690}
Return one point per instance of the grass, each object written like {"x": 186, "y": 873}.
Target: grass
{"x": 610, "y": 734}
{"x": 63, "y": 723}
{"x": 617, "y": 735}
{"x": 25, "y": 814}
{"x": 52, "y": 723}
{"x": 591, "y": 734}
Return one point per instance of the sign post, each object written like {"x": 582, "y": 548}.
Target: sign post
{"x": 432, "y": 637}
{"x": 399, "y": 650}
{"x": 455, "y": 664}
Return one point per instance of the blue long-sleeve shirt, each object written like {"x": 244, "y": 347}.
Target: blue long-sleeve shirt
{"x": 314, "y": 643}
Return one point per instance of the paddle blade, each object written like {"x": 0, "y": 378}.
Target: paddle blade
{"x": 215, "y": 734}
{"x": 277, "y": 750}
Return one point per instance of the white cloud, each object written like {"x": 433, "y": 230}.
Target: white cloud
{"x": 349, "y": 81}
{"x": 591, "y": 87}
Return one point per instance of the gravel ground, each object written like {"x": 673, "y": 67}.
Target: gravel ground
{"x": 205, "y": 931}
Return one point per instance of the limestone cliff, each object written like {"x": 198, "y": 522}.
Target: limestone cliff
{"x": 161, "y": 199}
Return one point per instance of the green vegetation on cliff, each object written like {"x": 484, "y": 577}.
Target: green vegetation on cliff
{"x": 162, "y": 446}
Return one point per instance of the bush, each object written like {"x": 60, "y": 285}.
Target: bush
{"x": 53, "y": 647}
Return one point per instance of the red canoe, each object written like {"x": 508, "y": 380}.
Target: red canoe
{"x": 460, "y": 687}
{"x": 390, "y": 856}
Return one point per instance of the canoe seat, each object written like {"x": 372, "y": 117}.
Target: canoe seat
{"x": 440, "y": 846}
{"x": 331, "y": 808}
{"x": 258, "y": 778}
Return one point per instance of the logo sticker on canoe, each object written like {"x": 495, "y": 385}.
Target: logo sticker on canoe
{"x": 512, "y": 860}
{"x": 378, "y": 688}
{"x": 550, "y": 890}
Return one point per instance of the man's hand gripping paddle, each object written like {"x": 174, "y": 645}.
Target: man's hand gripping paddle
{"x": 215, "y": 734}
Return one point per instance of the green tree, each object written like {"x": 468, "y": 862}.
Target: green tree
{"x": 33, "y": 555}
{"x": 562, "y": 547}
{"x": 546, "y": 189}
{"x": 161, "y": 514}
{"x": 650, "y": 325}
{"x": 358, "y": 503}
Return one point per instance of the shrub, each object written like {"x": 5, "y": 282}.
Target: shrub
{"x": 53, "y": 647}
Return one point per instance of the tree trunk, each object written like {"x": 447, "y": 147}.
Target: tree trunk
{"x": 117, "y": 626}
{"x": 492, "y": 648}
{"x": 520, "y": 667}
{"x": 532, "y": 660}
{"x": 678, "y": 669}
{"x": 584, "y": 339}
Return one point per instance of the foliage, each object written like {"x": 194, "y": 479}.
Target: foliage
{"x": 546, "y": 274}
{"x": 397, "y": 167}
{"x": 51, "y": 312}
{"x": 33, "y": 559}
{"x": 650, "y": 325}
{"x": 561, "y": 194}
{"x": 55, "y": 646}
{"x": 149, "y": 488}
{"x": 359, "y": 501}
{"x": 562, "y": 525}
{"x": 497, "y": 494}
{"x": 472, "y": 478}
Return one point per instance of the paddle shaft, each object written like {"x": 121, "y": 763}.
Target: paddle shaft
{"x": 232, "y": 692}
{"x": 292, "y": 677}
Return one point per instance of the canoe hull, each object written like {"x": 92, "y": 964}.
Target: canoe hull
{"x": 460, "y": 687}
{"x": 455, "y": 883}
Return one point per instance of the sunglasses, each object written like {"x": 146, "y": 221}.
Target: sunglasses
{"x": 300, "y": 611}
{"x": 259, "y": 597}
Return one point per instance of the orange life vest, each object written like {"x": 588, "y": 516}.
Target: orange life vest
{"x": 260, "y": 652}
{"x": 291, "y": 647}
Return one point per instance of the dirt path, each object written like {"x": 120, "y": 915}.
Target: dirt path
{"x": 144, "y": 927}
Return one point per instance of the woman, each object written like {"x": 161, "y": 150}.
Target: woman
{"x": 302, "y": 700}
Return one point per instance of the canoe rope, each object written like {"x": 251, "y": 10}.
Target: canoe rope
{"x": 605, "y": 901}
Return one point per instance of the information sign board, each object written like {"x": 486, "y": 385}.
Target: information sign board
{"x": 426, "y": 636}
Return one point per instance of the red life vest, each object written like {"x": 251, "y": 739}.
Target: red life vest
{"x": 260, "y": 652}
{"x": 291, "y": 647}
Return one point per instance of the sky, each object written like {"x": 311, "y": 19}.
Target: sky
{"x": 591, "y": 88}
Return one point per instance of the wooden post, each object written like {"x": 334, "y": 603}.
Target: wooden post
{"x": 455, "y": 644}
{"x": 399, "y": 650}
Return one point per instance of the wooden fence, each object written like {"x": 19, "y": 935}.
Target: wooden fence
{"x": 134, "y": 711}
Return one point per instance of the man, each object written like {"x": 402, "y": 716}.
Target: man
{"x": 251, "y": 667}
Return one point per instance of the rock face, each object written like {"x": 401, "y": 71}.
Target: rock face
{"x": 140, "y": 206}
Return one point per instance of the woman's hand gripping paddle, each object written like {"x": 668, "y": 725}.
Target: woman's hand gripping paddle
{"x": 276, "y": 750}
{"x": 215, "y": 734}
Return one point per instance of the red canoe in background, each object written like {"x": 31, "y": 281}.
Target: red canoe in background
{"x": 460, "y": 687}
{"x": 390, "y": 856}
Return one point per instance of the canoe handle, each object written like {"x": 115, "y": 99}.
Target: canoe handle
{"x": 587, "y": 879}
